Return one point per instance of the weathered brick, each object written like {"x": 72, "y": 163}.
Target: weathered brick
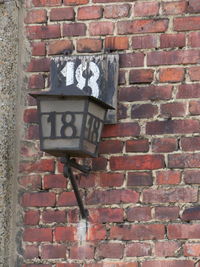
{"x": 191, "y": 214}
{"x": 183, "y": 231}
{"x": 66, "y": 13}
{"x": 106, "y": 215}
{"x": 101, "y": 28}
{"x": 166, "y": 248}
{"x": 173, "y": 126}
{"x": 180, "y": 195}
{"x": 184, "y": 160}
{"x": 186, "y": 23}
{"x": 87, "y": 181}
{"x": 194, "y": 73}
{"x": 31, "y": 181}
{"x": 174, "y": 7}
{"x": 166, "y": 213}
{"x": 74, "y": 29}
{"x": 43, "y": 165}
{"x": 30, "y": 115}
{"x": 138, "y": 250}
{"x": 194, "y": 39}
{"x": 109, "y": 1}
{"x": 38, "y": 49}
{"x": 194, "y": 6}
{"x": 110, "y": 264}
{"x": 32, "y": 132}
{"x": 174, "y": 109}
{"x": 121, "y": 130}
{"x": 188, "y": 91}
{"x": 168, "y": 177}
{"x": 96, "y": 232}
{"x": 138, "y": 232}
{"x": 31, "y": 252}
{"x": 141, "y": 76}
{"x": 110, "y": 146}
{"x": 192, "y": 177}
{"x": 139, "y": 179}
{"x": 171, "y": 263}
{"x": 143, "y": 111}
{"x": 192, "y": 249}
{"x": 122, "y": 111}
{"x": 88, "y": 45}
{"x": 43, "y": 31}
{"x": 116, "y": 11}
{"x": 190, "y": 143}
{"x": 109, "y": 179}
{"x": 144, "y": 42}
{"x": 75, "y": 2}
{"x": 164, "y": 145}
{"x": 67, "y": 199}
{"x": 172, "y": 40}
{"x": 116, "y": 43}
{"x": 36, "y": 81}
{"x": 82, "y": 252}
{"x": 46, "y": 3}
{"x": 73, "y": 215}
{"x": 194, "y": 107}
{"x": 52, "y": 216}
{"x": 144, "y": 9}
{"x": 58, "y": 47}
{"x": 39, "y": 65}
{"x": 37, "y": 234}
{"x": 36, "y": 16}
{"x": 140, "y": 162}
{"x": 54, "y": 181}
{"x": 89, "y": 12}
{"x": 99, "y": 164}
{"x": 110, "y": 250}
{"x": 140, "y": 145}
{"x": 131, "y": 60}
{"x": 152, "y": 92}
{"x": 53, "y": 251}
{"x": 31, "y": 217}
{"x": 139, "y": 214}
{"x": 65, "y": 233}
{"x": 40, "y": 199}
{"x": 171, "y": 75}
{"x": 67, "y": 265}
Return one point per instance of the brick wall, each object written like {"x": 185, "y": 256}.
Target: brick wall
{"x": 142, "y": 194}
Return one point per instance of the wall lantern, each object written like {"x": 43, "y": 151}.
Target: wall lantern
{"x": 72, "y": 113}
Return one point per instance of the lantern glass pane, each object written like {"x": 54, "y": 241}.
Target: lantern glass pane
{"x": 96, "y": 110}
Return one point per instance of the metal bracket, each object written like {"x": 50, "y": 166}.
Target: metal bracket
{"x": 68, "y": 173}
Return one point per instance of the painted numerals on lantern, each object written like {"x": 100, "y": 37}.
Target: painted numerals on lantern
{"x": 93, "y": 127}
{"x": 91, "y": 81}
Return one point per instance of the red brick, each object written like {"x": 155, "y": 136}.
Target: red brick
{"x": 112, "y": 197}
{"x": 29, "y": 149}
{"x": 194, "y": 107}
{"x": 144, "y": 42}
{"x": 82, "y": 252}
{"x": 183, "y": 231}
{"x": 53, "y": 251}
{"x": 54, "y": 181}
{"x": 171, "y": 263}
{"x": 138, "y": 250}
{"x": 138, "y": 232}
{"x": 144, "y": 9}
{"x": 173, "y": 126}
{"x": 179, "y": 195}
{"x": 36, "y": 16}
{"x": 164, "y": 145}
{"x": 110, "y": 179}
{"x": 89, "y": 13}
{"x": 110, "y": 250}
{"x": 188, "y": 91}
{"x": 116, "y": 11}
{"x": 110, "y": 146}
{"x": 73, "y": 215}
{"x": 131, "y": 60}
{"x": 96, "y": 232}
{"x": 152, "y": 92}
{"x": 51, "y": 216}
{"x": 40, "y": 199}
{"x": 194, "y": 73}
{"x": 166, "y": 213}
{"x": 121, "y": 130}
{"x": 99, "y": 164}
{"x": 67, "y": 265}
{"x": 65, "y": 233}
{"x": 169, "y": 57}
{"x": 30, "y": 115}
{"x": 174, "y": 109}
{"x": 194, "y": 39}
{"x": 66, "y": 13}
{"x": 75, "y": 2}
{"x": 143, "y": 111}
{"x": 112, "y": 264}
{"x": 31, "y": 181}
{"x": 184, "y": 160}
{"x": 191, "y": 214}
{"x": 36, "y": 265}
{"x": 31, "y": 252}
{"x": 192, "y": 177}
{"x": 32, "y": 132}
{"x": 171, "y": 75}
{"x": 74, "y": 29}
{"x": 174, "y": 7}
{"x": 31, "y": 217}
{"x": 192, "y": 249}
{"x": 36, "y": 81}
{"x": 46, "y": 3}
{"x": 141, "y": 162}
{"x": 166, "y": 248}
{"x": 89, "y": 45}
{"x": 38, "y": 49}
{"x": 140, "y": 145}
{"x": 194, "y": 6}
{"x": 43, "y": 31}
{"x": 109, "y": 1}
{"x": 190, "y": 143}
{"x": 37, "y": 234}
{"x": 142, "y": 26}
{"x": 87, "y": 181}
{"x": 141, "y": 76}
{"x": 116, "y": 43}
{"x": 101, "y": 28}
{"x": 67, "y": 199}
{"x": 139, "y": 214}
{"x": 186, "y": 23}
{"x": 168, "y": 177}
{"x": 43, "y": 165}
{"x": 58, "y": 47}
{"x": 106, "y": 215}
{"x": 122, "y": 111}
{"x": 172, "y": 40}
{"x": 139, "y": 179}
{"x": 39, "y": 65}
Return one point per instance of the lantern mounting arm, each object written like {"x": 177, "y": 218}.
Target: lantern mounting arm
{"x": 68, "y": 173}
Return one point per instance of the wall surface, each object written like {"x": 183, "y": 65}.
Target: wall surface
{"x": 143, "y": 191}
